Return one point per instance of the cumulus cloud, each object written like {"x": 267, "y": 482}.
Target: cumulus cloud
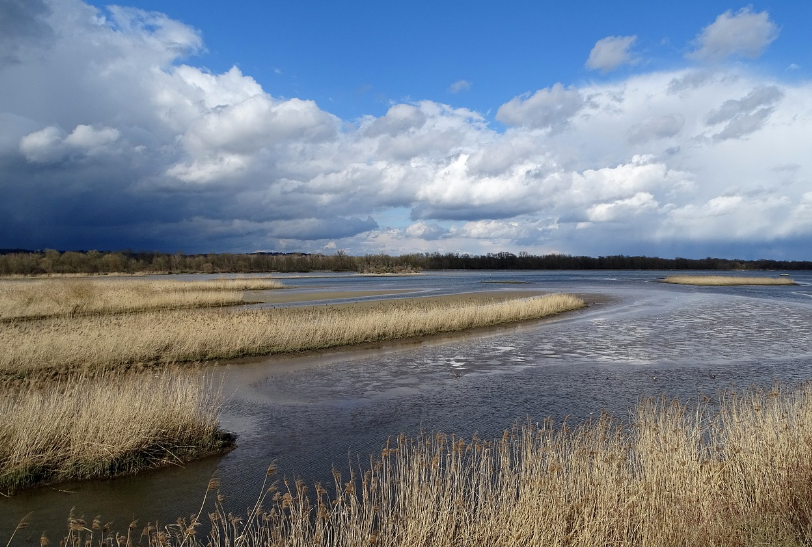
{"x": 744, "y": 34}
{"x": 42, "y": 146}
{"x": 89, "y": 138}
{"x": 400, "y": 118}
{"x": 49, "y": 145}
{"x": 622, "y": 208}
{"x": 427, "y": 231}
{"x": 610, "y": 52}
{"x": 547, "y": 108}
{"x": 110, "y": 139}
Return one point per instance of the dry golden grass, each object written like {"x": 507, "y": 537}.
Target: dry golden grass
{"x": 103, "y": 342}
{"x": 738, "y": 476}
{"x": 81, "y": 427}
{"x": 726, "y": 280}
{"x": 39, "y": 298}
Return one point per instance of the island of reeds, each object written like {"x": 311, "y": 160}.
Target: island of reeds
{"x": 726, "y": 280}
{"x": 731, "y": 472}
{"x": 91, "y": 377}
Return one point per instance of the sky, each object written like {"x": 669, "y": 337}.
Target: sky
{"x": 588, "y": 128}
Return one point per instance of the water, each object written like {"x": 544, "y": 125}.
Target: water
{"x": 641, "y": 338}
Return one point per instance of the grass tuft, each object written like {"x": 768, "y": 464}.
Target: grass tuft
{"x": 81, "y": 427}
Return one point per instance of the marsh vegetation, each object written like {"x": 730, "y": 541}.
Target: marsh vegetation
{"x": 726, "y": 280}
{"x": 68, "y": 297}
{"x": 82, "y": 427}
{"x": 735, "y": 472}
{"x": 104, "y": 342}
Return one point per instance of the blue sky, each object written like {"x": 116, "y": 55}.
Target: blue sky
{"x": 355, "y": 58}
{"x": 576, "y": 127}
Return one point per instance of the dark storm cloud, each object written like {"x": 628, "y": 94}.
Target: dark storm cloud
{"x": 22, "y": 26}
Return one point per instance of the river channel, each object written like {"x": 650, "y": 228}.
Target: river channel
{"x": 640, "y": 338}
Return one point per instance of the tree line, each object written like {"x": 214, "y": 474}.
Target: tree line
{"x": 50, "y": 262}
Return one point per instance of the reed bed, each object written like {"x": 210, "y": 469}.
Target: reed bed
{"x": 726, "y": 280}
{"x": 737, "y": 475}
{"x": 104, "y": 342}
{"x": 41, "y": 298}
{"x": 84, "y": 427}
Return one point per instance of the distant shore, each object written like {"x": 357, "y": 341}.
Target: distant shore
{"x": 51, "y": 262}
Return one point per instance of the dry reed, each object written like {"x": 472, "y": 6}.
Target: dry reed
{"x": 726, "y": 280}
{"x": 739, "y": 475}
{"x": 39, "y": 298}
{"x": 81, "y": 427}
{"x": 103, "y": 342}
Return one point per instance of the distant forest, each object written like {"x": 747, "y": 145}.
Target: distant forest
{"x": 48, "y": 262}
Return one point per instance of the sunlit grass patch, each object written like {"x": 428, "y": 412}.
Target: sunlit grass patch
{"x": 110, "y": 341}
{"x": 80, "y": 427}
{"x": 726, "y": 280}
{"x": 39, "y": 298}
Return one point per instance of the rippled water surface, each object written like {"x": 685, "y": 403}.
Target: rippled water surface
{"x": 640, "y": 338}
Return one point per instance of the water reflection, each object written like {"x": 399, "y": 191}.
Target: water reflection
{"x": 310, "y": 414}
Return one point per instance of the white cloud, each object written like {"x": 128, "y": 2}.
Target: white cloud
{"x": 622, "y": 209}
{"x": 738, "y": 217}
{"x": 50, "y": 144}
{"x": 610, "y": 52}
{"x": 459, "y": 86}
{"x": 42, "y": 146}
{"x": 427, "y": 231}
{"x": 744, "y": 33}
{"x": 89, "y": 138}
{"x": 400, "y": 118}
{"x": 546, "y": 108}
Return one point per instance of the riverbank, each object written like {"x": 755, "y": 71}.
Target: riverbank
{"x": 725, "y": 280}
{"x": 729, "y": 475}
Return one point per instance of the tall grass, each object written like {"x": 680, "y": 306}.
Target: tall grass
{"x": 725, "y": 280}
{"x": 739, "y": 475}
{"x": 29, "y": 299}
{"x": 104, "y": 342}
{"x": 80, "y": 427}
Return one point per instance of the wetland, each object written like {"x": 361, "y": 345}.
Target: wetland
{"x": 324, "y": 410}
